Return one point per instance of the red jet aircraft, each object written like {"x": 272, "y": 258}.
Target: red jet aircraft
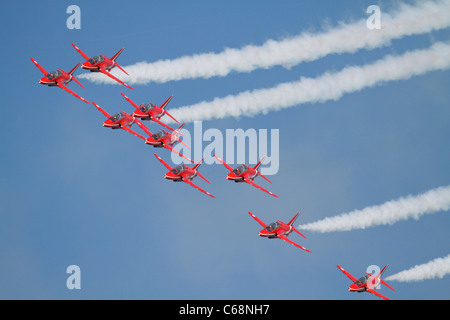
{"x": 367, "y": 283}
{"x": 185, "y": 174}
{"x": 246, "y": 174}
{"x": 149, "y": 111}
{"x": 121, "y": 120}
{"x": 163, "y": 139}
{"x": 102, "y": 64}
{"x": 279, "y": 229}
{"x": 59, "y": 78}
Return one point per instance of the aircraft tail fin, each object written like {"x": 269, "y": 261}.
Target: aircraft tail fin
{"x": 177, "y": 132}
{"x": 382, "y": 281}
{"x": 382, "y": 271}
{"x": 166, "y": 102}
{"x": 114, "y": 57}
{"x": 73, "y": 77}
{"x": 198, "y": 164}
{"x": 258, "y": 164}
{"x": 73, "y": 69}
{"x": 293, "y": 219}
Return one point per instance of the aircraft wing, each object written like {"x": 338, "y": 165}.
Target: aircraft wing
{"x": 258, "y": 220}
{"x": 106, "y": 114}
{"x": 130, "y": 101}
{"x": 259, "y": 187}
{"x": 292, "y": 242}
{"x": 377, "y": 294}
{"x": 224, "y": 163}
{"x": 39, "y": 66}
{"x": 132, "y": 132}
{"x": 71, "y": 92}
{"x": 189, "y": 182}
{"x": 163, "y": 124}
{"x": 176, "y": 152}
{"x": 165, "y": 111}
{"x": 142, "y": 126}
{"x": 81, "y": 52}
{"x": 163, "y": 162}
{"x": 347, "y": 274}
{"x": 112, "y": 77}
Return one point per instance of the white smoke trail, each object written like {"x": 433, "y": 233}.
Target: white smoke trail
{"x": 407, "y": 20}
{"x": 436, "y": 268}
{"x": 329, "y": 86}
{"x": 388, "y": 213}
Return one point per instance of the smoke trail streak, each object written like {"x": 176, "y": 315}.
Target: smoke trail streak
{"x": 329, "y": 86}
{"x": 407, "y": 20}
{"x": 436, "y": 268}
{"x": 388, "y": 213}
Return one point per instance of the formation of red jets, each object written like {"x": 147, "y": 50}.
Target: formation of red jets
{"x": 166, "y": 139}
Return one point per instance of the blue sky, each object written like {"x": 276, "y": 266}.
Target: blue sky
{"x": 73, "y": 192}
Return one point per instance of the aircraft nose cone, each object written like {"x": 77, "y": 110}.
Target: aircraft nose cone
{"x": 169, "y": 175}
{"x": 231, "y": 176}
{"x": 263, "y": 233}
{"x": 138, "y": 114}
{"x": 353, "y": 287}
{"x": 109, "y": 123}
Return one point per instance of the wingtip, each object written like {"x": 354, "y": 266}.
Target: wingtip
{"x": 128, "y": 86}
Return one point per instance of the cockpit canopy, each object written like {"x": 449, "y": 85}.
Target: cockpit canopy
{"x": 95, "y": 59}
{"x": 178, "y": 169}
{"x": 239, "y": 170}
{"x": 158, "y": 135}
{"x": 117, "y": 117}
{"x": 361, "y": 281}
{"x": 272, "y": 226}
{"x": 146, "y": 107}
{"x": 53, "y": 74}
